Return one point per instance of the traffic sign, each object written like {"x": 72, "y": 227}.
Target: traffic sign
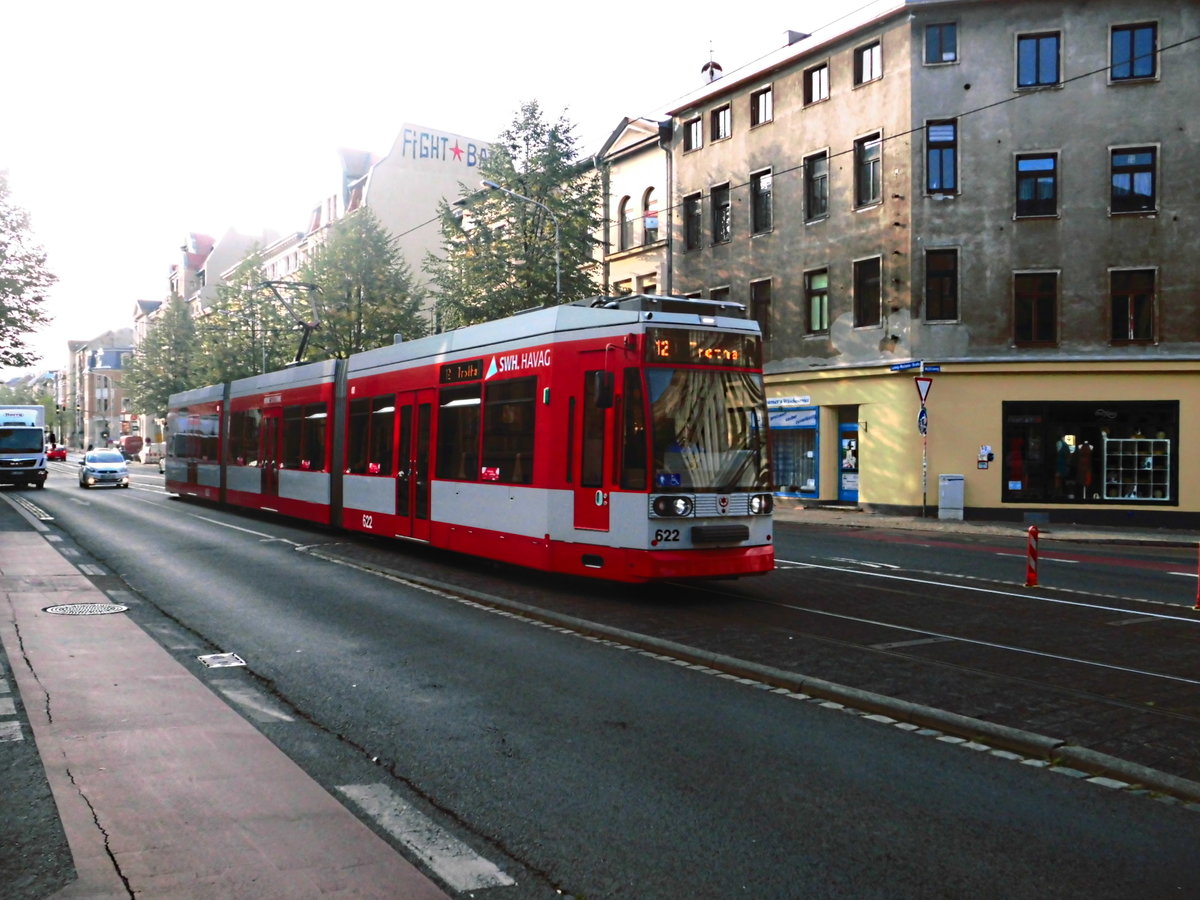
{"x": 923, "y": 385}
{"x": 923, "y": 421}
{"x": 930, "y": 367}
{"x": 900, "y": 367}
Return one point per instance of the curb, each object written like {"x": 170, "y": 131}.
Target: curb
{"x": 1017, "y": 740}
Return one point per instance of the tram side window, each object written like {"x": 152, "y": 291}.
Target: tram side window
{"x": 210, "y": 437}
{"x": 370, "y": 435}
{"x": 508, "y": 430}
{"x": 591, "y": 470}
{"x": 304, "y": 437}
{"x": 458, "y": 433}
{"x": 243, "y": 438}
{"x": 634, "y": 450}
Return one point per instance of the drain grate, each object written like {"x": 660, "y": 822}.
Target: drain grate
{"x": 221, "y": 660}
{"x": 86, "y": 609}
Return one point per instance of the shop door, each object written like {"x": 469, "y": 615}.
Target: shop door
{"x": 414, "y": 411}
{"x": 591, "y": 426}
{"x": 848, "y": 463}
{"x": 270, "y": 449}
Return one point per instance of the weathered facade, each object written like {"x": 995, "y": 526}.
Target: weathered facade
{"x": 998, "y": 197}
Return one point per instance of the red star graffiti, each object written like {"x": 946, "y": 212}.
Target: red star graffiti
{"x": 457, "y": 151}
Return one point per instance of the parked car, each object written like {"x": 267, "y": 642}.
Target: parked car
{"x": 103, "y": 467}
{"x": 56, "y": 451}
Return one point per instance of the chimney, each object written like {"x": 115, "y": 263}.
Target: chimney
{"x": 794, "y": 37}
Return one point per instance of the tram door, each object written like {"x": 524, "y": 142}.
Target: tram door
{"x": 591, "y": 425}
{"x": 414, "y": 410}
{"x": 270, "y": 449}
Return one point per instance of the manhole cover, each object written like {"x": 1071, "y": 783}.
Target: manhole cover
{"x": 221, "y": 660}
{"x": 86, "y": 609}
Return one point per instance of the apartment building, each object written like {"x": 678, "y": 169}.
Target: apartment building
{"x": 964, "y": 228}
{"x": 635, "y": 171}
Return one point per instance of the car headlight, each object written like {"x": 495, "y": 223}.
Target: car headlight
{"x": 672, "y": 506}
{"x": 762, "y": 504}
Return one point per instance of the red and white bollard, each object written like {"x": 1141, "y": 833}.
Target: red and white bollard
{"x": 1031, "y": 562}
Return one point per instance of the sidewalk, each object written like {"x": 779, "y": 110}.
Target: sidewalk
{"x": 164, "y": 790}
{"x": 790, "y": 511}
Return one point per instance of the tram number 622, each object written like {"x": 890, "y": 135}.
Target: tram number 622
{"x": 663, "y": 535}
{"x": 368, "y": 521}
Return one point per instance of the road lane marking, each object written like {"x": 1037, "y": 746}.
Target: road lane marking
{"x": 455, "y": 863}
{"x": 915, "y": 643}
{"x": 261, "y": 534}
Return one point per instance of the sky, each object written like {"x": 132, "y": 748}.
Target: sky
{"x": 128, "y": 125}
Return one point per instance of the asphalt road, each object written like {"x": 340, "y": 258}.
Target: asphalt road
{"x": 590, "y": 768}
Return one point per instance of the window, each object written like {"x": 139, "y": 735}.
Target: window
{"x": 721, "y": 125}
{"x": 591, "y": 462}
{"x": 693, "y": 134}
{"x": 1133, "y": 52}
{"x": 635, "y": 452}
{"x": 623, "y": 287}
{"x": 760, "y": 307}
{"x": 508, "y": 430}
{"x": 760, "y": 202}
{"x": 1094, "y": 448}
{"x": 941, "y": 157}
{"x": 868, "y": 170}
{"x": 458, "y": 433}
{"x": 624, "y": 225}
{"x": 941, "y": 285}
{"x": 1037, "y": 185}
{"x": 304, "y": 437}
{"x": 370, "y": 435}
{"x": 761, "y": 107}
{"x": 816, "y": 84}
{"x": 867, "y": 296}
{"x": 719, "y": 294}
{"x": 941, "y": 43}
{"x": 722, "y": 224}
{"x": 649, "y": 218}
{"x": 1037, "y": 59}
{"x": 868, "y": 63}
{"x": 816, "y": 186}
{"x": 1132, "y": 305}
{"x": 1133, "y": 171}
{"x": 691, "y": 221}
{"x": 1035, "y": 308}
{"x": 816, "y": 301}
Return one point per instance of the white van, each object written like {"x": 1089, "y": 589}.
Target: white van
{"x": 151, "y": 453}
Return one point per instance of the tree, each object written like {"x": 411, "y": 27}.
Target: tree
{"x": 245, "y": 332}
{"x": 366, "y": 289}
{"x": 164, "y": 362}
{"x": 23, "y": 280}
{"x": 499, "y": 254}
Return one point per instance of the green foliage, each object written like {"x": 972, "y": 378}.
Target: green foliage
{"x": 164, "y": 362}
{"x": 23, "y": 279}
{"x": 499, "y": 254}
{"x": 245, "y": 332}
{"x": 367, "y": 292}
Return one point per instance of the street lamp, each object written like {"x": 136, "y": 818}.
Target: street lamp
{"x": 492, "y": 186}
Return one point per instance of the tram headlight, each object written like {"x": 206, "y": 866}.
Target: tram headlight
{"x": 762, "y": 504}
{"x": 672, "y": 506}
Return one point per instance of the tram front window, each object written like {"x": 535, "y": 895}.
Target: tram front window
{"x": 709, "y": 430}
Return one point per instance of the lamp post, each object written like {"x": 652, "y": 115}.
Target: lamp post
{"x": 492, "y": 186}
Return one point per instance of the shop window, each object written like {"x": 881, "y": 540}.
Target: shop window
{"x": 1090, "y": 452}
{"x": 794, "y": 450}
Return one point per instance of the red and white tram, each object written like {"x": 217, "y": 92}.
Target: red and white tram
{"x": 620, "y": 438}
